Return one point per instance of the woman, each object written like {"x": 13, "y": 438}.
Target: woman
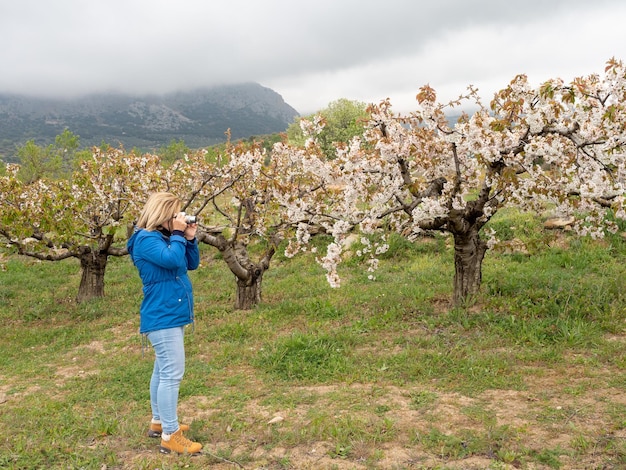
{"x": 163, "y": 248}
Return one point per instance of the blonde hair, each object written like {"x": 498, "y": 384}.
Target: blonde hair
{"x": 159, "y": 208}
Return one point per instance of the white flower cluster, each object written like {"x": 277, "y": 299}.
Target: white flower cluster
{"x": 330, "y": 263}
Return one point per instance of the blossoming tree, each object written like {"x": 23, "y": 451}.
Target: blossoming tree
{"x": 278, "y": 196}
{"x": 83, "y": 217}
{"x": 556, "y": 145}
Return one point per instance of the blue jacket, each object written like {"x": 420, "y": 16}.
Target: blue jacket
{"x": 162, "y": 263}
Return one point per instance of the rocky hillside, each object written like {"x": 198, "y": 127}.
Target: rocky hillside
{"x": 200, "y": 118}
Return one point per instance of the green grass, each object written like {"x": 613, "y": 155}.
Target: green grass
{"x": 376, "y": 374}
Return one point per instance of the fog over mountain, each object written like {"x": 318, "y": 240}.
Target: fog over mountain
{"x": 312, "y": 53}
{"x": 200, "y": 118}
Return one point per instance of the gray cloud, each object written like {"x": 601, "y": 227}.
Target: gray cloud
{"x": 310, "y": 52}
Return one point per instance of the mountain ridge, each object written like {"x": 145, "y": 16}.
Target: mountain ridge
{"x": 199, "y": 117}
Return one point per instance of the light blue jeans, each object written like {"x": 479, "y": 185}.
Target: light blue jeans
{"x": 169, "y": 368}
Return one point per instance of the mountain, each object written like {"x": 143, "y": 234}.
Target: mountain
{"x": 199, "y": 118}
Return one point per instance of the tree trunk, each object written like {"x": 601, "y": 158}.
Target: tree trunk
{"x": 469, "y": 251}
{"x": 249, "y": 275}
{"x": 249, "y": 290}
{"x": 93, "y": 266}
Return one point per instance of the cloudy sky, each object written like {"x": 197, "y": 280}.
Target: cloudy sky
{"x": 310, "y": 52}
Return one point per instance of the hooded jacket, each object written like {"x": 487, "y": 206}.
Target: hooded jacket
{"x": 163, "y": 263}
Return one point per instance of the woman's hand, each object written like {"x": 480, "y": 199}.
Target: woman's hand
{"x": 190, "y": 231}
{"x": 178, "y": 222}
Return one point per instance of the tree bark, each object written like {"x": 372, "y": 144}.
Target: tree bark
{"x": 248, "y": 274}
{"x": 249, "y": 290}
{"x": 249, "y": 285}
{"x": 93, "y": 267}
{"x": 469, "y": 251}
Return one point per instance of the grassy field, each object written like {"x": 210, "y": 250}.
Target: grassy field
{"x": 378, "y": 374}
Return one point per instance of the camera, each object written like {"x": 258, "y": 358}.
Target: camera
{"x": 190, "y": 219}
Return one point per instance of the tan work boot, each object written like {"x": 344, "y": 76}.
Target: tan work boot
{"x": 179, "y": 444}
{"x": 155, "y": 429}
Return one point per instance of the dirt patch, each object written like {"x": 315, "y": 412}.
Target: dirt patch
{"x": 14, "y": 392}
{"x": 550, "y": 414}
{"x": 79, "y": 362}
